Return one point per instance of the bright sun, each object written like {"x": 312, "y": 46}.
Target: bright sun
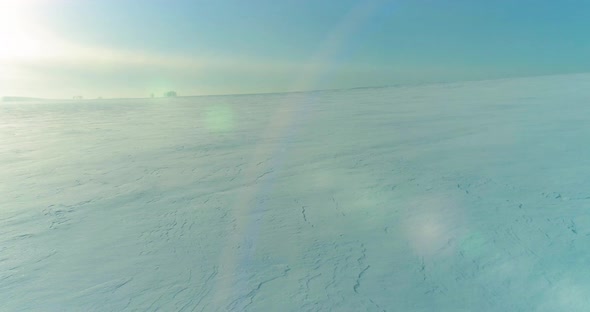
{"x": 20, "y": 37}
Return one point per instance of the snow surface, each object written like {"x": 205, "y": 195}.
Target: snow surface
{"x": 451, "y": 197}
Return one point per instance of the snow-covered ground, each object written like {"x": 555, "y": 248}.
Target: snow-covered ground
{"x": 452, "y": 197}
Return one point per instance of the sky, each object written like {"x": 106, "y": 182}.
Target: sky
{"x": 133, "y": 48}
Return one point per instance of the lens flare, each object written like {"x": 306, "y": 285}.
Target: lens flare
{"x": 283, "y": 124}
{"x": 219, "y": 119}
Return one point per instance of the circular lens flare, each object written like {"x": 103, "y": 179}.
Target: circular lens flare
{"x": 219, "y": 119}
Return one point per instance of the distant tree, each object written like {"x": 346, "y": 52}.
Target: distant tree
{"x": 77, "y": 97}
{"x": 170, "y": 94}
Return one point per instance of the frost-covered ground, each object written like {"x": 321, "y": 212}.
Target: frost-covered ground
{"x": 453, "y": 197}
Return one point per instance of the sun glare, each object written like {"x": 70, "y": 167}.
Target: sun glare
{"x": 21, "y": 38}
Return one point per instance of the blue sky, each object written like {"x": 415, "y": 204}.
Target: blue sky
{"x": 131, "y": 48}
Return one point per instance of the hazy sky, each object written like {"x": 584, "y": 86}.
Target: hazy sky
{"x": 120, "y": 48}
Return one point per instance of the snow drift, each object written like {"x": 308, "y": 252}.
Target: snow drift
{"x": 450, "y": 197}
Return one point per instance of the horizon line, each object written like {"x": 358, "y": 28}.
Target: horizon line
{"x": 397, "y": 85}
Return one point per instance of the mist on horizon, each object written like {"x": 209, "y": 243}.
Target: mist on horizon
{"x": 112, "y": 49}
